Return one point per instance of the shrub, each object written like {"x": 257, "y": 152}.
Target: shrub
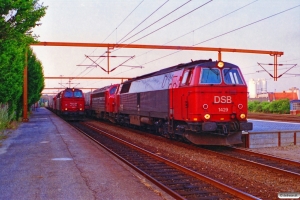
{"x": 5, "y": 118}
{"x": 281, "y": 106}
{"x": 252, "y": 105}
{"x": 265, "y": 106}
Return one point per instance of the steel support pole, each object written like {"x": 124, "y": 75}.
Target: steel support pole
{"x": 108, "y": 60}
{"x": 25, "y": 85}
{"x": 219, "y": 56}
{"x": 275, "y": 67}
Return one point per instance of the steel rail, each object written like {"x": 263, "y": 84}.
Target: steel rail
{"x": 263, "y": 155}
{"x": 192, "y": 173}
{"x": 294, "y": 174}
{"x": 154, "y": 181}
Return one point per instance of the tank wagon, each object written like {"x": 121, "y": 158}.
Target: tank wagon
{"x": 204, "y": 102}
{"x": 69, "y": 103}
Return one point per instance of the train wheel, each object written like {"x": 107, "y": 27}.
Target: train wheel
{"x": 165, "y": 132}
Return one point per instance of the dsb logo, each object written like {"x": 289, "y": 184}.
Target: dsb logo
{"x": 222, "y": 99}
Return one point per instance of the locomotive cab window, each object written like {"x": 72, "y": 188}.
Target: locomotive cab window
{"x": 210, "y": 76}
{"x": 77, "y": 94}
{"x": 125, "y": 88}
{"x": 113, "y": 90}
{"x": 187, "y": 77}
{"x": 232, "y": 76}
{"x": 68, "y": 93}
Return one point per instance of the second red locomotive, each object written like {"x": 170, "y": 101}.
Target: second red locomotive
{"x": 101, "y": 102}
{"x": 204, "y": 102}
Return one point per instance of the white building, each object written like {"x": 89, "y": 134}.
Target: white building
{"x": 256, "y": 87}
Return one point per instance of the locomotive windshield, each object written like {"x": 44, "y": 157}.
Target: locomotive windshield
{"x": 68, "y": 93}
{"x": 232, "y": 76}
{"x": 113, "y": 90}
{"x": 210, "y": 76}
{"x": 77, "y": 94}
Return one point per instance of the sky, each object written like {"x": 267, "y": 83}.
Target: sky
{"x": 272, "y": 25}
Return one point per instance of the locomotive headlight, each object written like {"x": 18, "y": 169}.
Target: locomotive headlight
{"x": 207, "y": 116}
{"x": 242, "y": 116}
{"x": 220, "y": 64}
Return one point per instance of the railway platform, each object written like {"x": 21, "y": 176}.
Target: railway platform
{"x": 46, "y": 158}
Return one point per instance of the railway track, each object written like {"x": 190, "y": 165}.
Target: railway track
{"x": 268, "y": 162}
{"x": 176, "y": 180}
{"x": 274, "y": 117}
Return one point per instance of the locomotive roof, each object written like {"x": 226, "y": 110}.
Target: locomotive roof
{"x": 180, "y": 66}
{"x": 67, "y": 89}
{"x": 171, "y": 69}
{"x": 103, "y": 89}
{"x": 71, "y": 89}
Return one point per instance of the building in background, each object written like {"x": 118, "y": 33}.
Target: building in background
{"x": 257, "y": 87}
{"x": 291, "y": 94}
{"x": 257, "y": 90}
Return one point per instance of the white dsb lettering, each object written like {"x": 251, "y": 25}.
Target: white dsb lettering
{"x": 222, "y": 99}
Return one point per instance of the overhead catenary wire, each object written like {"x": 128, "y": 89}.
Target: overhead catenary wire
{"x": 231, "y": 31}
{"x": 157, "y": 21}
{"x": 142, "y": 21}
{"x": 123, "y": 20}
{"x": 200, "y": 26}
{"x": 171, "y": 22}
{"x": 206, "y": 24}
{"x": 108, "y": 37}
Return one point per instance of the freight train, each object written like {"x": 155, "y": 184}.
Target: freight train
{"x": 203, "y": 102}
{"x": 69, "y": 103}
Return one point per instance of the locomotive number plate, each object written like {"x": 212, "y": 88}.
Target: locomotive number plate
{"x": 223, "y": 109}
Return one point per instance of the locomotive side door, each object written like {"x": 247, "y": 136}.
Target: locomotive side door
{"x": 184, "y": 88}
{"x": 110, "y": 101}
{"x": 174, "y": 102}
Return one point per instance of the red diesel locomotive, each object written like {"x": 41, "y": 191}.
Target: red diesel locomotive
{"x": 101, "y": 103}
{"x": 204, "y": 102}
{"x": 69, "y": 103}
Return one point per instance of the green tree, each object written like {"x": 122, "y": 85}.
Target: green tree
{"x": 11, "y": 76}
{"x": 17, "y": 19}
{"x": 35, "y": 78}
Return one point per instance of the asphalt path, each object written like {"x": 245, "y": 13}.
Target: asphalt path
{"x": 47, "y": 159}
